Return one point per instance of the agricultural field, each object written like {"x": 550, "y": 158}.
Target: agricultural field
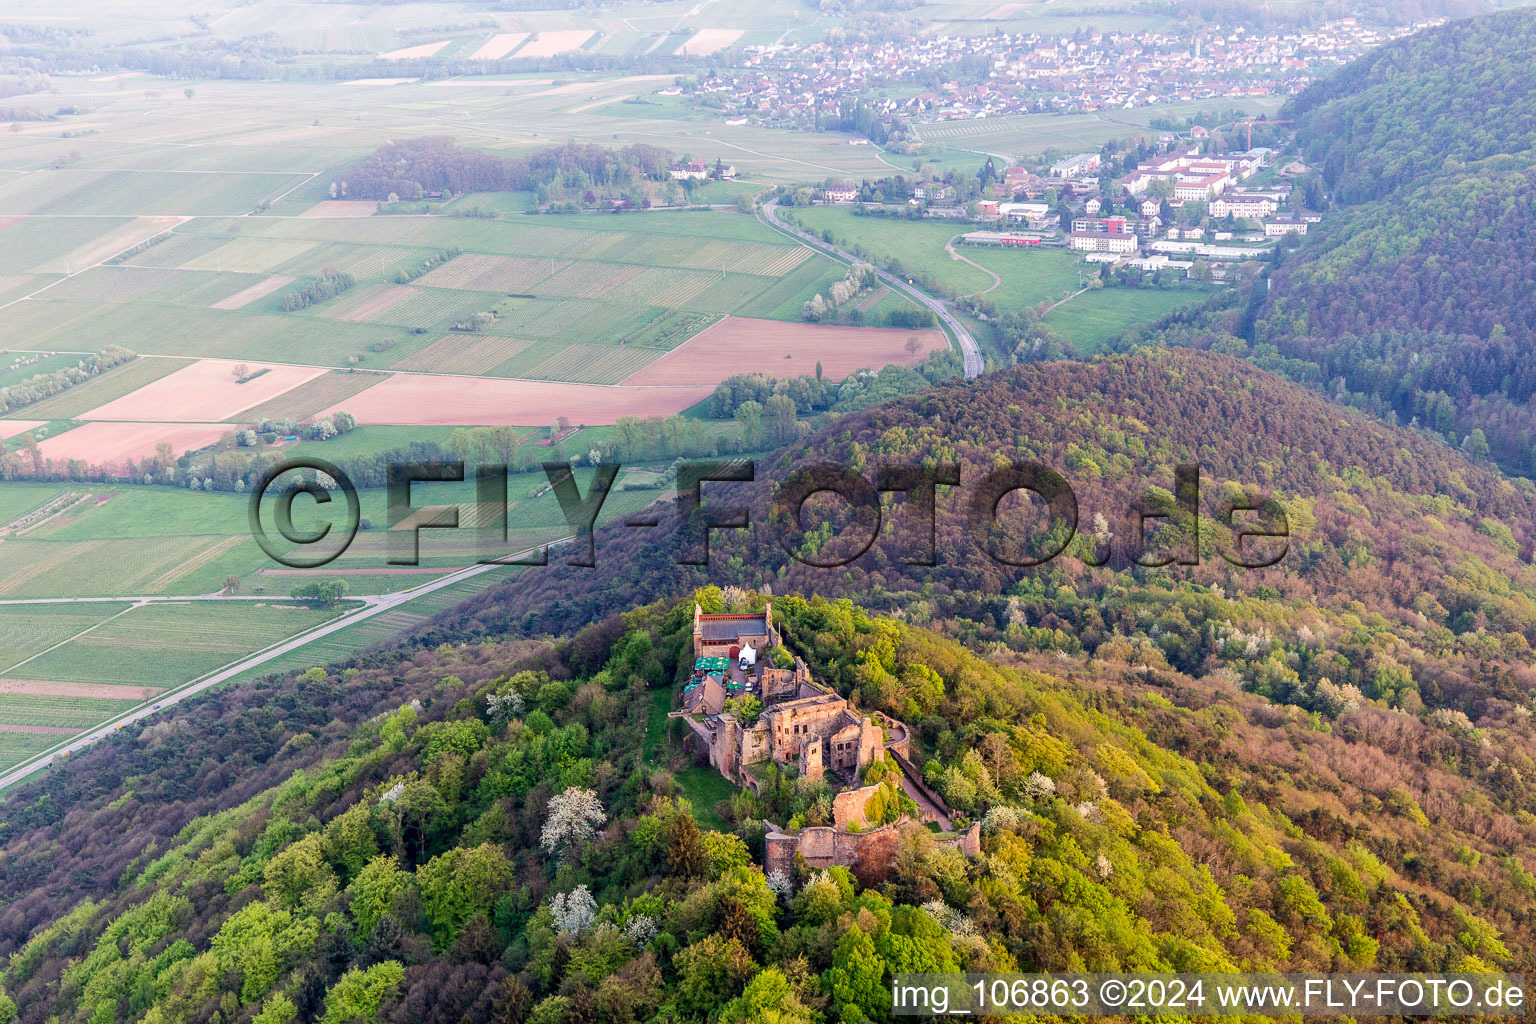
{"x": 29, "y": 630}
{"x": 83, "y": 664}
{"x": 472, "y": 354}
{"x": 1017, "y": 137}
{"x": 1028, "y": 276}
{"x": 735, "y": 346}
{"x": 165, "y": 644}
{"x": 135, "y": 541}
{"x": 1094, "y": 317}
{"x": 306, "y": 400}
{"x": 115, "y": 384}
{"x": 179, "y": 223}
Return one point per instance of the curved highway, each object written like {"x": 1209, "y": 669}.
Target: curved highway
{"x": 768, "y": 213}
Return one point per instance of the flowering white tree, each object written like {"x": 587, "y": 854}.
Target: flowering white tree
{"x": 1039, "y": 786}
{"x": 573, "y": 911}
{"x": 640, "y": 929}
{"x": 574, "y": 817}
{"x": 780, "y": 883}
{"x": 504, "y": 707}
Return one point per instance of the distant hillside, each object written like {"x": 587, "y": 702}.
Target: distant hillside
{"x": 1415, "y": 301}
{"x": 1412, "y": 109}
{"x": 1435, "y": 547}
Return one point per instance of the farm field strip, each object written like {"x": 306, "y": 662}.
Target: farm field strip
{"x": 309, "y": 398}
{"x": 737, "y": 345}
{"x": 499, "y": 45}
{"x": 588, "y": 279}
{"x": 430, "y": 308}
{"x": 175, "y": 250}
{"x": 107, "y": 387}
{"x": 594, "y": 364}
{"x": 105, "y": 443}
{"x": 207, "y": 391}
{"x": 14, "y": 428}
{"x": 251, "y": 255}
{"x": 463, "y": 353}
{"x": 374, "y": 260}
{"x": 115, "y": 284}
{"x": 60, "y": 689}
{"x": 430, "y": 399}
{"x": 488, "y": 272}
{"x": 103, "y": 246}
{"x": 60, "y": 712}
{"x": 370, "y": 301}
{"x": 260, "y": 290}
{"x": 680, "y": 293}
{"x": 32, "y": 630}
{"x": 168, "y": 644}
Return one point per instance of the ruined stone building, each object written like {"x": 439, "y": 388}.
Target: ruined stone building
{"x": 803, "y": 723}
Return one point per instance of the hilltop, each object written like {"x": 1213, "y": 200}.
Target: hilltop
{"x": 497, "y": 832}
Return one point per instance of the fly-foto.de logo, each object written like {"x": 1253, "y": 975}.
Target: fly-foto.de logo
{"x": 305, "y": 513}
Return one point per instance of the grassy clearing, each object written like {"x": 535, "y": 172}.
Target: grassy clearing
{"x": 1093, "y": 318}
{"x": 1029, "y": 276}
{"x": 311, "y": 397}
{"x": 705, "y": 787}
{"x": 656, "y": 722}
{"x": 918, "y": 244}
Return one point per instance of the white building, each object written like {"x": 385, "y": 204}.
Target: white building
{"x": 1073, "y": 166}
{"x": 1284, "y": 226}
{"x": 1103, "y": 241}
{"x": 1247, "y": 206}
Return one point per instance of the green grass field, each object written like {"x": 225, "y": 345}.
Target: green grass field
{"x": 60, "y": 712}
{"x": 918, "y": 244}
{"x": 28, "y": 630}
{"x": 1094, "y": 317}
{"x": 705, "y": 787}
{"x": 133, "y": 540}
{"x": 165, "y": 645}
{"x": 1028, "y": 276}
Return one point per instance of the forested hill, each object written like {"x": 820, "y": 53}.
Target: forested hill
{"x": 510, "y": 838}
{"x": 1415, "y": 108}
{"x": 1415, "y": 300}
{"x": 1386, "y": 519}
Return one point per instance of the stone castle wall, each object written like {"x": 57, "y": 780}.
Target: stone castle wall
{"x": 822, "y": 847}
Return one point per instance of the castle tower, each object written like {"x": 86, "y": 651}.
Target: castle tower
{"x": 811, "y": 766}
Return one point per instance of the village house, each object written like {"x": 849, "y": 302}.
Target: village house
{"x": 843, "y": 193}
